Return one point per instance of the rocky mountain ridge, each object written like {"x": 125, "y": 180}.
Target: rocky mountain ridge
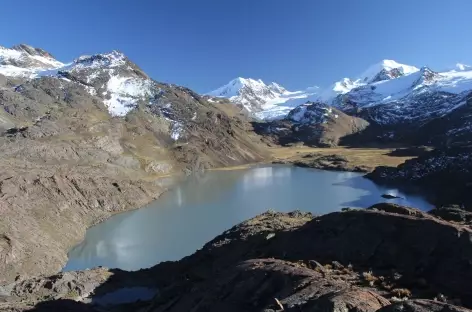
{"x": 407, "y": 99}
{"x": 313, "y": 124}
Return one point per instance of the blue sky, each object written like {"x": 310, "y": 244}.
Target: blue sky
{"x": 203, "y": 44}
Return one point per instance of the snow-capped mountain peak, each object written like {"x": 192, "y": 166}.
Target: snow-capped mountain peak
{"x": 240, "y": 86}
{"x": 277, "y": 88}
{"x": 24, "y": 61}
{"x": 377, "y": 73}
{"x": 112, "y": 59}
{"x": 427, "y": 76}
{"x": 409, "y": 98}
{"x": 266, "y": 101}
{"x": 344, "y": 85}
{"x": 251, "y": 93}
{"x": 386, "y": 69}
{"x": 339, "y": 87}
{"x": 112, "y": 76}
{"x": 33, "y": 51}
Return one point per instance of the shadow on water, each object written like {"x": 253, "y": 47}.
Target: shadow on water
{"x": 62, "y": 305}
{"x": 407, "y": 195}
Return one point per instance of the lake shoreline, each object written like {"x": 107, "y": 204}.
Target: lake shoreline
{"x": 205, "y": 204}
{"x": 150, "y": 192}
{"x": 280, "y": 155}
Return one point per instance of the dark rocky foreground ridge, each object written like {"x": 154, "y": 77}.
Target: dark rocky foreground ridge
{"x": 384, "y": 258}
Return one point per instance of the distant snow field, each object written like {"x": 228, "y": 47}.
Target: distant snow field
{"x": 383, "y": 83}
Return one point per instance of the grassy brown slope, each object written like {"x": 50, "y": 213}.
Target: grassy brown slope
{"x": 356, "y": 157}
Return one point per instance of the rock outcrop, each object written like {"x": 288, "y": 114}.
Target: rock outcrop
{"x": 314, "y": 124}
{"x": 422, "y": 306}
{"x": 389, "y": 247}
{"x": 443, "y": 172}
{"x": 329, "y": 162}
{"x": 452, "y": 213}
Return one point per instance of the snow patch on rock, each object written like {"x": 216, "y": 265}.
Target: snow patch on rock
{"x": 176, "y": 130}
{"x": 125, "y": 92}
{"x": 312, "y": 113}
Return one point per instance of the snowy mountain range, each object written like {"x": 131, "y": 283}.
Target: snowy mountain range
{"x": 386, "y": 92}
{"x": 108, "y": 78}
{"x": 382, "y": 71}
{"x": 265, "y": 101}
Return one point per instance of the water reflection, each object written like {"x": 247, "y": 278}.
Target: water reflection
{"x": 370, "y": 193}
{"x": 264, "y": 177}
{"x": 202, "y": 207}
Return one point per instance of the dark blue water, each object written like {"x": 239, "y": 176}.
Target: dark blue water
{"x": 196, "y": 211}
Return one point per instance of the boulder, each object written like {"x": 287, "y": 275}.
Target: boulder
{"x": 422, "y": 306}
{"x": 398, "y": 209}
{"x": 452, "y": 213}
{"x": 352, "y": 300}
